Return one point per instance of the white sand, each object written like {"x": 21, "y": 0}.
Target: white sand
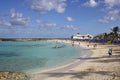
{"x": 98, "y": 66}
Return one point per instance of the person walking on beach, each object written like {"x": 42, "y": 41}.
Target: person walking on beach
{"x": 110, "y": 51}
{"x": 95, "y": 45}
{"x": 79, "y": 42}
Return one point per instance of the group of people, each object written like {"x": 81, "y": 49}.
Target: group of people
{"x": 95, "y": 45}
{"x": 109, "y": 51}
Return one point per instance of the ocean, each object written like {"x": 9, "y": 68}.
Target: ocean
{"x": 26, "y": 56}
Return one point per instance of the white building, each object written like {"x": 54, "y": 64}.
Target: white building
{"x": 82, "y": 37}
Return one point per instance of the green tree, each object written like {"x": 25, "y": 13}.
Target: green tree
{"x": 105, "y": 36}
{"x": 115, "y": 32}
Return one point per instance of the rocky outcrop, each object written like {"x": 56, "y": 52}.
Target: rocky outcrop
{"x": 6, "y": 75}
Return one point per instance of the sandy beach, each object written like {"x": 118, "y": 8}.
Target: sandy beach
{"x": 93, "y": 66}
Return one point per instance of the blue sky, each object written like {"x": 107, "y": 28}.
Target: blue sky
{"x": 57, "y": 18}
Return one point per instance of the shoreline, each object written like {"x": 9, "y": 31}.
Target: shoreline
{"x": 93, "y": 68}
{"x": 85, "y": 53}
{"x": 65, "y": 65}
{"x": 74, "y": 62}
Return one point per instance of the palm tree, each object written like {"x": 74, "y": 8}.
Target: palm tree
{"x": 111, "y": 36}
{"x": 105, "y": 36}
{"x": 115, "y": 31}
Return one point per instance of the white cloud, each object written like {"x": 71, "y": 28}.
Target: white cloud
{"x": 111, "y": 7}
{"x": 48, "y": 5}
{"x": 111, "y": 3}
{"x": 14, "y": 14}
{"x": 91, "y": 3}
{"x": 47, "y": 25}
{"x": 19, "y": 21}
{"x": 38, "y": 21}
{"x": 69, "y": 19}
{"x": 15, "y": 19}
{"x": 69, "y": 27}
{"x": 5, "y": 23}
{"x": 113, "y": 15}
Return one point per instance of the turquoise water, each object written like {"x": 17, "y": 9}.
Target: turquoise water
{"x": 25, "y": 56}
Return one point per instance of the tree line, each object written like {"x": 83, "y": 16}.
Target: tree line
{"x": 114, "y": 35}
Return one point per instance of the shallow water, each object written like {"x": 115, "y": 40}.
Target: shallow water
{"x": 26, "y": 56}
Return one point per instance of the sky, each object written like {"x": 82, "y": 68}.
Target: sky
{"x": 57, "y": 18}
